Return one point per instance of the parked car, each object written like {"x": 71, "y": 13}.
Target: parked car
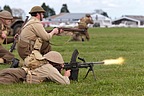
{"x": 16, "y": 25}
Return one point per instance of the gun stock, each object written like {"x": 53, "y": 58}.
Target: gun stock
{"x": 13, "y": 46}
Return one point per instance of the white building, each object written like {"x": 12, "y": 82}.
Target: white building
{"x": 129, "y": 21}
{"x": 101, "y": 20}
{"x": 73, "y": 18}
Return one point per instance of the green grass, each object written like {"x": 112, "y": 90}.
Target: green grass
{"x": 112, "y": 80}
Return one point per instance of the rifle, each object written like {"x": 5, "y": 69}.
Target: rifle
{"x": 74, "y": 66}
{"x": 13, "y": 46}
{"x": 69, "y": 30}
{"x": 16, "y": 38}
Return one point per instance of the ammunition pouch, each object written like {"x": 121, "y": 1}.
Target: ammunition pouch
{"x": 38, "y": 44}
{"x": 32, "y": 77}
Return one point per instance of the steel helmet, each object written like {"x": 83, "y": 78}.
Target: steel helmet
{"x": 37, "y": 9}
{"x": 6, "y": 14}
{"x": 54, "y": 56}
{"x": 87, "y": 15}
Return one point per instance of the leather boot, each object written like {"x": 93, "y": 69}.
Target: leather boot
{"x": 1, "y": 60}
{"x": 15, "y": 63}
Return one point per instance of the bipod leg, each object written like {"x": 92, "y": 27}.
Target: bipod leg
{"x": 90, "y": 69}
{"x": 87, "y": 73}
{"x": 93, "y": 73}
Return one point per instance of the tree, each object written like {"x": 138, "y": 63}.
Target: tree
{"x": 64, "y": 9}
{"x": 100, "y": 11}
{"x": 105, "y": 14}
{"x": 6, "y": 7}
{"x": 49, "y": 11}
{"x": 52, "y": 12}
{"x": 46, "y": 8}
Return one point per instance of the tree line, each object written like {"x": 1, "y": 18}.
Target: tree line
{"x": 49, "y": 11}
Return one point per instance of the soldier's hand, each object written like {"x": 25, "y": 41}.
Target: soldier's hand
{"x": 57, "y": 31}
{"x": 60, "y": 30}
{"x": 3, "y": 35}
{"x": 16, "y": 36}
{"x": 67, "y": 73}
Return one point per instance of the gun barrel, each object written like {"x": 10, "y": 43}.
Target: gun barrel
{"x": 80, "y": 65}
{"x": 70, "y": 30}
{"x": 86, "y": 63}
{"x": 73, "y": 29}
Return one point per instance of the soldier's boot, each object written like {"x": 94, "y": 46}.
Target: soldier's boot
{"x": 83, "y": 40}
{"x": 15, "y": 63}
{"x": 1, "y": 60}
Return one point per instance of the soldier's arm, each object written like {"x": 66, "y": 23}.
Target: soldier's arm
{"x": 54, "y": 75}
{"x": 41, "y": 32}
{"x": 91, "y": 20}
{"x": 8, "y": 41}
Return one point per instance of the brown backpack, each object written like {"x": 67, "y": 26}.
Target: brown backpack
{"x": 34, "y": 60}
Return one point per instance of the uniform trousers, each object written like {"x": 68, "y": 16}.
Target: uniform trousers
{"x": 6, "y": 55}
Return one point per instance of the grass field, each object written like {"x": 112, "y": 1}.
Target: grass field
{"x": 112, "y": 80}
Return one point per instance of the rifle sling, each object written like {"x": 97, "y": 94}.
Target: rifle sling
{"x": 60, "y": 44}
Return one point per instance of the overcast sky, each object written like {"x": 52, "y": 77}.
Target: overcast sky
{"x": 114, "y": 8}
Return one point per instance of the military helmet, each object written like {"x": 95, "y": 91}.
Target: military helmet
{"x": 37, "y": 9}
{"x": 6, "y": 14}
{"x": 87, "y": 15}
{"x": 54, "y": 56}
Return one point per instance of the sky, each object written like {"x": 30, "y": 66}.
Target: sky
{"x": 114, "y": 8}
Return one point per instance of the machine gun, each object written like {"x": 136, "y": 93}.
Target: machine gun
{"x": 74, "y": 66}
{"x": 69, "y": 30}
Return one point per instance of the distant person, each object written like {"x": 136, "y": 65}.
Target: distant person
{"x": 83, "y": 24}
{"x": 5, "y": 22}
{"x": 33, "y": 30}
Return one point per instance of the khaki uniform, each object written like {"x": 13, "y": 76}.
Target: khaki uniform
{"x": 83, "y": 25}
{"x": 12, "y": 75}
{"x": 32, "y": 30}
{"x": 5, "y": 54}
{"x": 46, "y": 73}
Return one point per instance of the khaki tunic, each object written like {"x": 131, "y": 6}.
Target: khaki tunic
{"x": 32, "y": 30}
{"x": 84, "y": 22}
{"x": 12, "y": 75}
{"x": 46, "y": 73}
{"x": 83, "y": 25}
{"x": 5, "y": 54}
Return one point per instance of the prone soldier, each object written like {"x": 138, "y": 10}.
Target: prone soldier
{"x": 48, "y": 71}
